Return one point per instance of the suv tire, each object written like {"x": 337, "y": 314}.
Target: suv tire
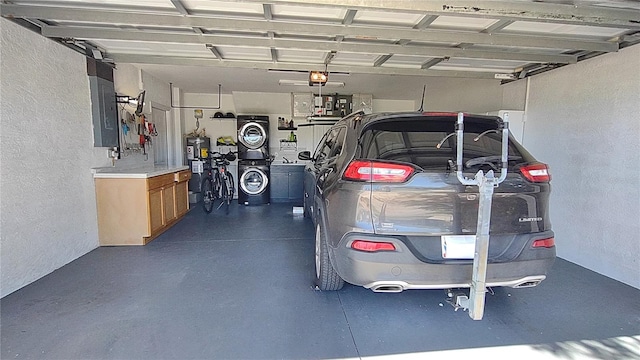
{"x": 326, "y": 276}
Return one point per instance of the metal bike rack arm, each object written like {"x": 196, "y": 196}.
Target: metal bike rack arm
{"x": 485, "y": 184}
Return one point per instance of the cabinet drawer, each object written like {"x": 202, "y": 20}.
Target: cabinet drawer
{"x": 183, "y": 175}
{"x": 159, "y": 181}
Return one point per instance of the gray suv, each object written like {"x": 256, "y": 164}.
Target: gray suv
{"x": 390, "y": 214}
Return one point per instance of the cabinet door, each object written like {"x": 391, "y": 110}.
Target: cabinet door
{"x": 296, "y": 191}
{"x": 279, "y": 186}
{"x": 182, "y": 198}
{"x": 169, "y": 203}
{"x": 155, "y": 210}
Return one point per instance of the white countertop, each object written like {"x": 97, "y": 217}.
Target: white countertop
{"x": 135, "y": 173}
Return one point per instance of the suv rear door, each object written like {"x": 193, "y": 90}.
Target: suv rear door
{"x": 432, "y": 201}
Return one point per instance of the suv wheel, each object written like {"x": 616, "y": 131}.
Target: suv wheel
{"x": 326, "y": 276}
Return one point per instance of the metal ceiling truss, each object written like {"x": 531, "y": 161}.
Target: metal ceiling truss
{"x": 267, "y": 65}
{"x": 217, "y": 30}
{"x": 575, "y": 13}
{"x": 316, "y": 45}
{"x": 297, "y": 28}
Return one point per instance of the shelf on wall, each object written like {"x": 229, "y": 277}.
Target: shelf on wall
{"x": 287, "y": 128}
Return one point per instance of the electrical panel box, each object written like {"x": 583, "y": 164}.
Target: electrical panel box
{"x": 301, "y": 105}
{"x": 343, "y": 105}
{"x": 103, "y": 104}
{"x": 332, "y": 105}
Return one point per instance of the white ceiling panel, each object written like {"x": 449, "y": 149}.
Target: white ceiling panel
{"x": 346, "y": 58}
{"x": 105, "y": 4}
{"x": 288, "y": 55}
{"x": 326, "y": 13}
{"x": 385, "y": 17}
{"x": 563, "y": 29}
{"x": 462, "y": 23}
{"x": 245, "y": 53}
{"x": 406, "y": 61}
{"x": 222, "y": 6}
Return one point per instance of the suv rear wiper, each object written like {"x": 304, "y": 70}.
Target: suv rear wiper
{"x": 488, "y": 160}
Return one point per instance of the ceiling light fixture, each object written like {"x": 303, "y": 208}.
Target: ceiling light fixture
{"x": 285, "y": 82}
{"x": 318, "y": 78}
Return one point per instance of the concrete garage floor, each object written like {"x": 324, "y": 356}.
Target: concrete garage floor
{"x": 240, "y": 287}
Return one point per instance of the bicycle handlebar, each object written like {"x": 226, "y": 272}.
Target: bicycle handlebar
{"x": 222, "y": 158}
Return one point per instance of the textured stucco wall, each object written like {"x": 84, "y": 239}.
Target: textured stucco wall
{"x": 469, "y": 95}
{"x": 584, "y": 120}
{"x": 514, "y": 95}
{"x": 48, "y": 213}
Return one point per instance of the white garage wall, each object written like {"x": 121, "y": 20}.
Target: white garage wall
{"x": 584, "y": 120}
{"x": 384, "y": 105}
{"x": 469, "y": 95}
{"x": 48, "y": 200}
{"x": 48, "y": 211}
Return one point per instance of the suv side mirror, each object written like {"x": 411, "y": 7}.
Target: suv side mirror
{"x": 304, "y": 155}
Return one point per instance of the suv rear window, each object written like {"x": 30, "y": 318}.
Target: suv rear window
{"x": 415, "y": 141}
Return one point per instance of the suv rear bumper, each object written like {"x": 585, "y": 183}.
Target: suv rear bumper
{"x": 395, "y": 271}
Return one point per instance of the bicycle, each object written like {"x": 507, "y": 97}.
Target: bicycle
{"x": 218, "y": 187}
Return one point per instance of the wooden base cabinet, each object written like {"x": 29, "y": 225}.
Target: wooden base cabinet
{"x": 133, "y": 211}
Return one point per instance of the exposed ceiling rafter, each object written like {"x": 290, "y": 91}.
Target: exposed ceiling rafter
{"x": 220, "y": 40}
{"x": 268, "y": 12}
{"x": 297, "y": 28}
{"x": 329, "y": 57}
{"x": 425, "y": 22}
{"x": 348, "y": 18}
{"x": 267, "y": 65}
{"x": 432, "y": 62}
{"x": 576, "y": 13}
{"x": 211, "y": 48}
{"x": 381, "y": 60}
{"x": 180, "y": 7}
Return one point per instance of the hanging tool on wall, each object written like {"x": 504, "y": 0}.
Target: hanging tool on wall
{"x": 152, "y": 129}
{"x": 141, "y": 129}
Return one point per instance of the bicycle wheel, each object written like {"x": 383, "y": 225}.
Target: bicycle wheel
{"x": 218, "y": 191}
{"x": 231, "y": 189}
{"x": 208, "y": 194}
{"x": 225, "y": 197}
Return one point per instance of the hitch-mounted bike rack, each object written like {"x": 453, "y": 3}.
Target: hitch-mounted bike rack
{"x": 486, "y": 183}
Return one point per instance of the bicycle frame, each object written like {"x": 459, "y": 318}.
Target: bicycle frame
{"x": 221, "y": 182}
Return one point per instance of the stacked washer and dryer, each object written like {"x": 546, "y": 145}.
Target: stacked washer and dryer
{"x": 253, "y": 159}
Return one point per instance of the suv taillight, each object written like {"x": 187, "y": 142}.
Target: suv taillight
{"x": 372, "y": 246}
{"x": 536, "y": 173}
{"x": 377, "y": 171}
{"x": 545, "y": 243}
